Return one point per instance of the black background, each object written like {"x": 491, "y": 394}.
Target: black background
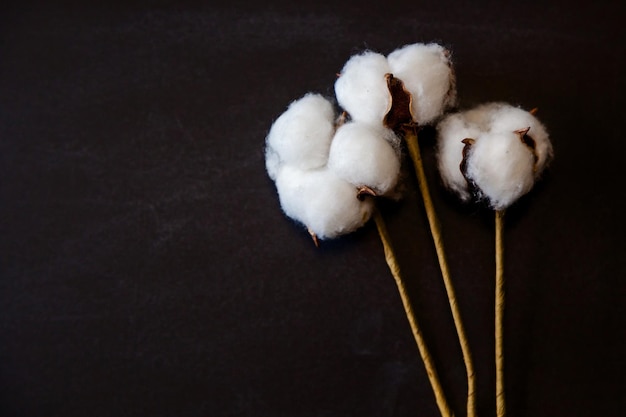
{"x": 147, "y": 269}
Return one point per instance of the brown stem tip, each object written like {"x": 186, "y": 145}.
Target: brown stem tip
{"x": 314, "y": 237}
{"x": 364, "y": 191}
{"x": 529, "y": 142}
{"x": 341, "y": 120}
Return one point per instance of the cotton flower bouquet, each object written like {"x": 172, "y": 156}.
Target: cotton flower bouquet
{"x": 331, "y": 167}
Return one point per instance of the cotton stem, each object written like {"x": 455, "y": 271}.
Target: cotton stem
{"x": 390, "y": 257}
{"x": 411, "y": 139}
{"x": 499, "y": 315}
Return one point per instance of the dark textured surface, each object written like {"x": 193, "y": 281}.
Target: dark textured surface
{"x": 146, "y": 268}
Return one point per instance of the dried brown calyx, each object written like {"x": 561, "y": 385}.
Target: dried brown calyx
{"x": 463, "y": 166}
{"x": 529, "y": 142}
{"x": 341, "y": 120}
{"x": 399, "y": 114}
{"x": 364, "y": 191}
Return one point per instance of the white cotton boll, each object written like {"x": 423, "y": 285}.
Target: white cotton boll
{"x": 427, "y": 73}
{"x": 504, "y": 159}
{"x": 324, "y": 203}
{"x": 501, "y": 167}
{"x": 364, "y": 155}
{"x": 361, "y": 88}
{"x": 301, "y": 136}
{"x": 450, "y": 134}
{"x": 509, "y": 118}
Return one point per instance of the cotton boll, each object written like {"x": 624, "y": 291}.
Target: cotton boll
{"x": 427, "y": 73}
{"x": 501, "y": 167}
{"x": 324, "y": 203}
{"x": 301, "y": 136}
{"x": 364, "y": 155}
{"x": 450, "y": 134}
{"x": 361, "y": 88}
{"x": 509, "y": 118}
{"x": 509, "y": 149}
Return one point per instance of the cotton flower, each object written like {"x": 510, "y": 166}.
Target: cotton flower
{"x": 425, "y": 70}
{"x": 494, "y": 152}
{"x": 319, "y": 168}
{"x": 411, "y": 87}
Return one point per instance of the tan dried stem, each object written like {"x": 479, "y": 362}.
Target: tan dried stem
{"x": 499, "y": 315}
{"x": 390, "y": 257}
{"x": 313, "y": 235}
{"x": 411, "y": 139}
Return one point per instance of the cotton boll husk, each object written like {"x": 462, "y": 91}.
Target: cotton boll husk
{"x": 364, "y": 155}
{"x": 501, "y": 167}
{"x": 323, "y": 202}
{"x": 301, "y": 136}
{"x": 450, "y": 133}
{"x": 361, "y": 88}
{"x": 427, "y": 73}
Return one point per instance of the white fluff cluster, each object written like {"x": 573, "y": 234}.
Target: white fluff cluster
{"x": 494, "y": 152}
{"x": 366, "y": 156}
{"x": 425, "y": 70}
{"x": 318, "y": 167}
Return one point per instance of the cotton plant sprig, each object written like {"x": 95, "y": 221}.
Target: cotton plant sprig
{"x": 493, "y": 153}
{"x": 411, "y": 87}
{"x": 327, "y": 172}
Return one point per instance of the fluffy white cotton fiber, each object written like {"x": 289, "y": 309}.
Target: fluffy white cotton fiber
{"x": 272, "y": 162}
{"x": 319, "y": 168}
{"x": 366, "y": 155}
{"x": 322, "y": 201}
{"x": 501, "y": 166}
{"x": 507, "y": 151}
{"x": 425, "y": 70}
{"x": 505, "y": 115}
{"x": 301, "y": 136}
{"x": 451, "y": 131}
{"x": 361, "y": 88}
